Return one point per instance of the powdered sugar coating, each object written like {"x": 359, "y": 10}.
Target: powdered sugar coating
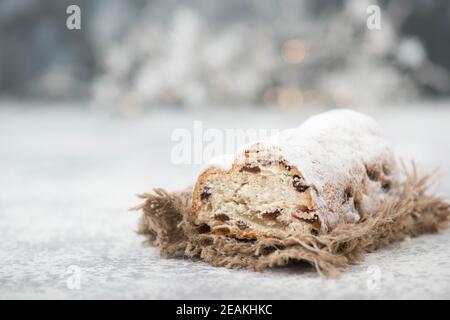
{"x": 332, "y": 151}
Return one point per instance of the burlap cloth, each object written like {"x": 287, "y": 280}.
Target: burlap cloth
{"x": 166, "y": 223}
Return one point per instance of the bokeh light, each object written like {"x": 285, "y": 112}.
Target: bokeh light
{"x": 289, "y": 98}
{"x": 293, "y": 51}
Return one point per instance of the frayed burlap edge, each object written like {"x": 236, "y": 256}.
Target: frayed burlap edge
{"x": 166, "y": 223}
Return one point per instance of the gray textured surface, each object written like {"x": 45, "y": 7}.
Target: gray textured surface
{"x": 68, "y": 177}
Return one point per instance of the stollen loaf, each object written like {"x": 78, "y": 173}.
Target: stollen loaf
{"x": 334, "y": 168}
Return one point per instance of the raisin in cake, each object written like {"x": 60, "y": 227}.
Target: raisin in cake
{"x": 334, "y": 168}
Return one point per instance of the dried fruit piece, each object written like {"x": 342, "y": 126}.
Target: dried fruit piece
{"x": 271, "y": 215}
{"x": 348, "y": 193}
{"x": 286, "y": 166}
{"x": 251, "y": 169}
{"x": 386, "y": 185}
{"x": 204, "y": 228}
{"x": 205, "y": 194}
{"x": 267, "y": 162}
{"x": 222, "y": 217}
{"x": 373, "y": 173}
{"x": 299, "y": 185}
{"x": 241, "y": 225}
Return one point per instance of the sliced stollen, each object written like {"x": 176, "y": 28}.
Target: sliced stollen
{"x": 334, "y": 168}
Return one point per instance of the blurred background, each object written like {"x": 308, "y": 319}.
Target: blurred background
{"x": 87, "y": 118}
{"x": 133, "y": 55}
